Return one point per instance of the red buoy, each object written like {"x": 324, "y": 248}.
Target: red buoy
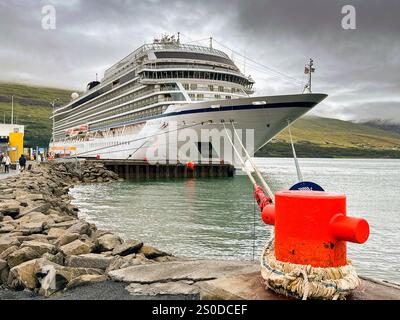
{"x": 311, "y": 228}
{"x": 190, "y": 165}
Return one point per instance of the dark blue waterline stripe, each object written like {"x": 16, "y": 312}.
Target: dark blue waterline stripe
{"x": 227, "y": 108}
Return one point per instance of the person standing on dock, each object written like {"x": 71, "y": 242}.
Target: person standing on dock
{"x": 7, "y": 162}
{"x": 22, "y": 162}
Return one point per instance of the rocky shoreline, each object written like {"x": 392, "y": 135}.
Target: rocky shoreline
{"x": 45, "y": 248}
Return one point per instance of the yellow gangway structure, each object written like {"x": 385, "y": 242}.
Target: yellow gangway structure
{"x": 16, "y": 146}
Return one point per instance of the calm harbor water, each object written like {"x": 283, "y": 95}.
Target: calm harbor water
{"x": 217, "y": 218}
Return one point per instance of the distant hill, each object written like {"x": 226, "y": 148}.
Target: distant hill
{"x": 32, "y": 109}
{"x": 313, "y": 136}
{"x": 324, "y": 137}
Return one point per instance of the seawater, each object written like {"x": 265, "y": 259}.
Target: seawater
{"x": 218, "y": 218}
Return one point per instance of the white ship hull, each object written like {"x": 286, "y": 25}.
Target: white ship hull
{"x": 267, "y": 116}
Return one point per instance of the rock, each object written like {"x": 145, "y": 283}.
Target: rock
{"x": 63, "y": 225}
{"x": 198, "y": 270}
{"x": 81, "y": 227}
{"x": 56, "y": 232}
{"x": 128, "y": 261}
{"x": 76, "y": 247}
{"x": 127, "y": 248}
{"x": 4, "y": 255}
{"x": 151, "y": 253}
{"x": 166, "y": 259}
{"x": 173, "y": 290}
{"x": 4, "y": 270}
{"x": 22, "y": 255}
{"x": 40, "y": 247}
{"x": 23, "y": 276}
{"x": 108, "y": 242}
{"x": 5, "y": 243}
{"x": 53, "y": 277}
{"x": 9, "y": 208}
{"x": 57, "y": 258}
{"x": 7, "y": 219}
{"x": 6, "y": 228}
{"x": 35, "y": 217}
{"x": 90, "y": 260}
{"x": 37, "y": 206}
{"x": 67, "y": 238}
{"x": 31, "y": 228}
{"x": 86, "y": 279}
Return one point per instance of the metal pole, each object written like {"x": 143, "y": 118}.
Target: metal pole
{"x": 12, "y": 109}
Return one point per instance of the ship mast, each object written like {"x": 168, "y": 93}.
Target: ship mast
{"x": 309, "y": 70}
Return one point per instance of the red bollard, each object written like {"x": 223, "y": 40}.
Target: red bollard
{"x": 311, "y": 228}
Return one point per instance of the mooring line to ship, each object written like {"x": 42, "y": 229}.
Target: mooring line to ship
{"x": 296, "y": 162}
{"x": 258, "y": 173}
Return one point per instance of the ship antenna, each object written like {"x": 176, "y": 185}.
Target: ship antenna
{"x": 211, "y": 42}
{"x": 309, "y": 70}
{"x": 179, "y": 38}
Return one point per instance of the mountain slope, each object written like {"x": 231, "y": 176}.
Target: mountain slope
{"x": 324, "y": 137}
{"x": 32, "y": 109}
{"x": 314, "y": 137}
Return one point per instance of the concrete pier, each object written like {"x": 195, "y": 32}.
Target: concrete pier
{"x": 131, "y": 169}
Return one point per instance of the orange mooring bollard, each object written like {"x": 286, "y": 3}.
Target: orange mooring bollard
{"x": 311, "y": 228}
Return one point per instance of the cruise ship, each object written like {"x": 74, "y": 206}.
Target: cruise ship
{"x": 168, "y": 87}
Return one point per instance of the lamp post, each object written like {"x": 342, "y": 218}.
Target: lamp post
{"x": 53, "y": 105}
{"x": 12, "y": 109}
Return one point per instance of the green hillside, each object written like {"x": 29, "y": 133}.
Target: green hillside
{"x": 32, "y": 109}
{"x": 314, "y": 137}
{"x": 323, "y": 137}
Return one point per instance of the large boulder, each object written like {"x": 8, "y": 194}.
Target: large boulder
{"x": 31, "y": 228}
{"x": 22, "y": 255}
{"x": 4, "y": 255}
{"x": 4, "y": 270}
{"x": 7, "y": 242}
{"x": 128, "y": 261}
{"x": 76, "y": 247}
{"x": 108, "y": 242}
{"x": 90, "y": 260}
{"x": 127, "y": 248}
{"x": 23, "y": 276}
{"x": 86, "y": 279}
{"x": 66, "y": 238}
{"x": 9, "y": 208}
{"x": 56, "y": 232}
{"x": 6, "y": 227}
{"x": 40, "y": 247}
{"x": 80, "y": 227}
{"x": 53, "y": 277}
{"x": 151, "y": 253}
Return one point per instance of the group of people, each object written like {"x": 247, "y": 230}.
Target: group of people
{"x": 6, "y": 161}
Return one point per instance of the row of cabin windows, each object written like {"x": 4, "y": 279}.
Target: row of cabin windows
{"x": 200, "y": 96}
{"x": 106, "y": 97}
{"x": 129, "y": 117}
{"x": 197, "y": 75}
{"x": 210, "y": 87}
{"x": 129, "y": 97}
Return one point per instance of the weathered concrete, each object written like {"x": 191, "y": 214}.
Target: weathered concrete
{"x": 178, "y": 289}
{"x": 198, "y": 270}
{"x": 251, "y": 287}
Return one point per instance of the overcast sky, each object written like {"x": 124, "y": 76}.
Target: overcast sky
{"x": 359, "y": 69}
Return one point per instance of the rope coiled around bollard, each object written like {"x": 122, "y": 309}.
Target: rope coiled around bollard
{"x": 304, "y": 281}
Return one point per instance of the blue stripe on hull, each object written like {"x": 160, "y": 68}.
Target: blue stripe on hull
{"x": 227, "y": 108}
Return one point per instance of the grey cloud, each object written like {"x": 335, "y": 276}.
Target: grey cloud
{"x": 359, "y": 69}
